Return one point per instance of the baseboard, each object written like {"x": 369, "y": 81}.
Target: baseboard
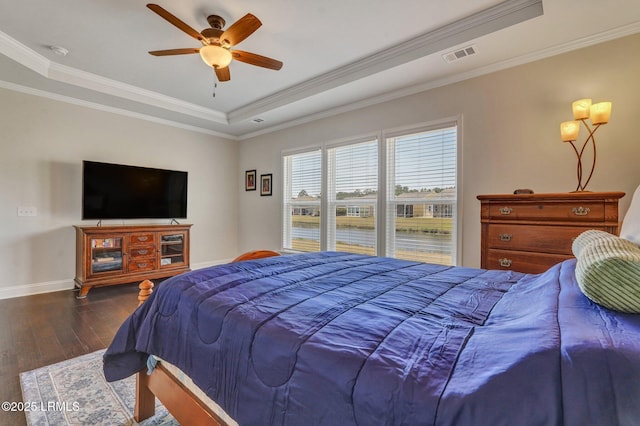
{"x": 51, "y": 286}
{"x": 201, "y": 265}
{"x": 37, "y": 288}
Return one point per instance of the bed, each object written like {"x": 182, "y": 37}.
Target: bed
{"x": 344, "y": 339}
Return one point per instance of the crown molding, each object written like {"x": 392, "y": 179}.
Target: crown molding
{"x": 482, "y": 23}
{"x": 25, "y": 56}
{"x": 580, "y": 43}
{"x": 66, "y": 74}
{"x": 492, "y": 19}
{"x": 120, "y": 111}
{"x": 20, "y": 53}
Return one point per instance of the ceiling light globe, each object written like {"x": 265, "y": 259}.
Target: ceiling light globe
{"x": 215, "y": 56}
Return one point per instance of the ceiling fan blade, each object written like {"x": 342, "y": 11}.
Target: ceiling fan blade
{"x": 240, "y": 30}
{"x": 175, "y": 21}
{"x": 168, "y": 52}
{"x": 223, "y": 74}
{"x": 254, "y": 59}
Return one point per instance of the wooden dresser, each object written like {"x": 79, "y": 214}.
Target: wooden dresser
{"x": 108, "y": 255}
{"x": 532, "y": 232}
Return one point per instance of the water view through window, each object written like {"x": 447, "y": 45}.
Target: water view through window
{"x": 420, "y": 201}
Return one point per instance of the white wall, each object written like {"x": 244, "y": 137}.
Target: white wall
{"x": 510, "y": 132}
{"x": 42, "y": 145}
{"x": 510, "y": 140}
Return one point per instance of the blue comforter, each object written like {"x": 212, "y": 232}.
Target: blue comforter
{"x": 344, "y": 339}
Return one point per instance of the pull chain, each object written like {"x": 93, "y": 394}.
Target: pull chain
{"x": 215, "y": 83}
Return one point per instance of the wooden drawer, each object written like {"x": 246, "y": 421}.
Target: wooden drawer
{"x": 142, "y": 264}
{"x": 537, "y": 238}
{"x": 142, "y": 251}
{"x": 521, "y": 261}
{"x": 588, "y": 211}
{"x": 147, "y": 238}
{"x": 532, "y": 232}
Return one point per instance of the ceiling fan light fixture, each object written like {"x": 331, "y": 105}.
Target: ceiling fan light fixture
{"x": 215, "y": 56}
{"x": 217, "y": 42}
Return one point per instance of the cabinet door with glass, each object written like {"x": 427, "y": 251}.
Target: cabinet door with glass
{"x": 174, "y": 249}
{"x": 106, "y": 255}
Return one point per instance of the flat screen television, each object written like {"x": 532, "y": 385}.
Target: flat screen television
{"x": 117, "y": 191}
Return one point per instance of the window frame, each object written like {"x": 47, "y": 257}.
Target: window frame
{"x": 381, "y": 136}
{"x": 284, "y": 206}
{"x": 328, "y": 194}
{"x": 424, "y": 128}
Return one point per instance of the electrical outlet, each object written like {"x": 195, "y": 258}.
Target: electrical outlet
{"x": 27, "y": 211}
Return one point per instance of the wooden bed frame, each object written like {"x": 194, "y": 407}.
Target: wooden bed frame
{"x": 184, "y": 405}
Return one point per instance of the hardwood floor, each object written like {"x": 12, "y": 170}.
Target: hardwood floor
{"x": 47, "y": 328}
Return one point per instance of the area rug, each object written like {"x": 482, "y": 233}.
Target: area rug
{"x": 75, "y": 392}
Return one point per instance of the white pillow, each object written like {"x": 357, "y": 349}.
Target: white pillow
{"x": 631, "y": 224}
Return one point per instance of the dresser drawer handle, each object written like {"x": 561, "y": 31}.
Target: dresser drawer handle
{"x": 505, "y": 263}
{"x": 581, "y": 211}
{"x": 505, "y": 237}
{"x": 505, "y": 210}
{"x": 142, "y": 265}
{"x": 142, "y": 238}
{"x": 143, "y": 251}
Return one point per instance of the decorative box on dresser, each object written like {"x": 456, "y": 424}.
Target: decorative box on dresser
{"x": 532, "y": 232}
{"x": 108, "y": 255}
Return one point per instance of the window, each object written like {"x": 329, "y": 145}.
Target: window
{"x": 395, "y": 195}
{"x": 301, "y": 203}
{"x": 352, "y": 182}
{"x": 404, "y": 210}
{"x": 421, "y": 191}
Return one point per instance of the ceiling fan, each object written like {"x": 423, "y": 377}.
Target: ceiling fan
{"x": 216, "y": 42}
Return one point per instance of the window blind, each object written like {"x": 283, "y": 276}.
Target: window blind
{"x": 422, "y": 196}
{"x": 399, "y": 202}
{"x": 352, "y": 195}
{"x": 302, "y": 180}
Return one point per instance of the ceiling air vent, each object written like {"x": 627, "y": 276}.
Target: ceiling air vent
{"x": 460, "y": 53}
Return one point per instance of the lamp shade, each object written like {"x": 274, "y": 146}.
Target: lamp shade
{"x": 581, "y": 108}
{"x": 215, "y": 56}
{"x": 600, "y": 112}
{"x": 569, "y": 130}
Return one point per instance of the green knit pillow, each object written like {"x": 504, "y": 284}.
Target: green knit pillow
{"x": 608, "y": 273}
{"x": 587, "y": 237}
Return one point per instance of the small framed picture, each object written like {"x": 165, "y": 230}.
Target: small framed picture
{"x": 265, "y": 184}
{"x": 250, "y": 180}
